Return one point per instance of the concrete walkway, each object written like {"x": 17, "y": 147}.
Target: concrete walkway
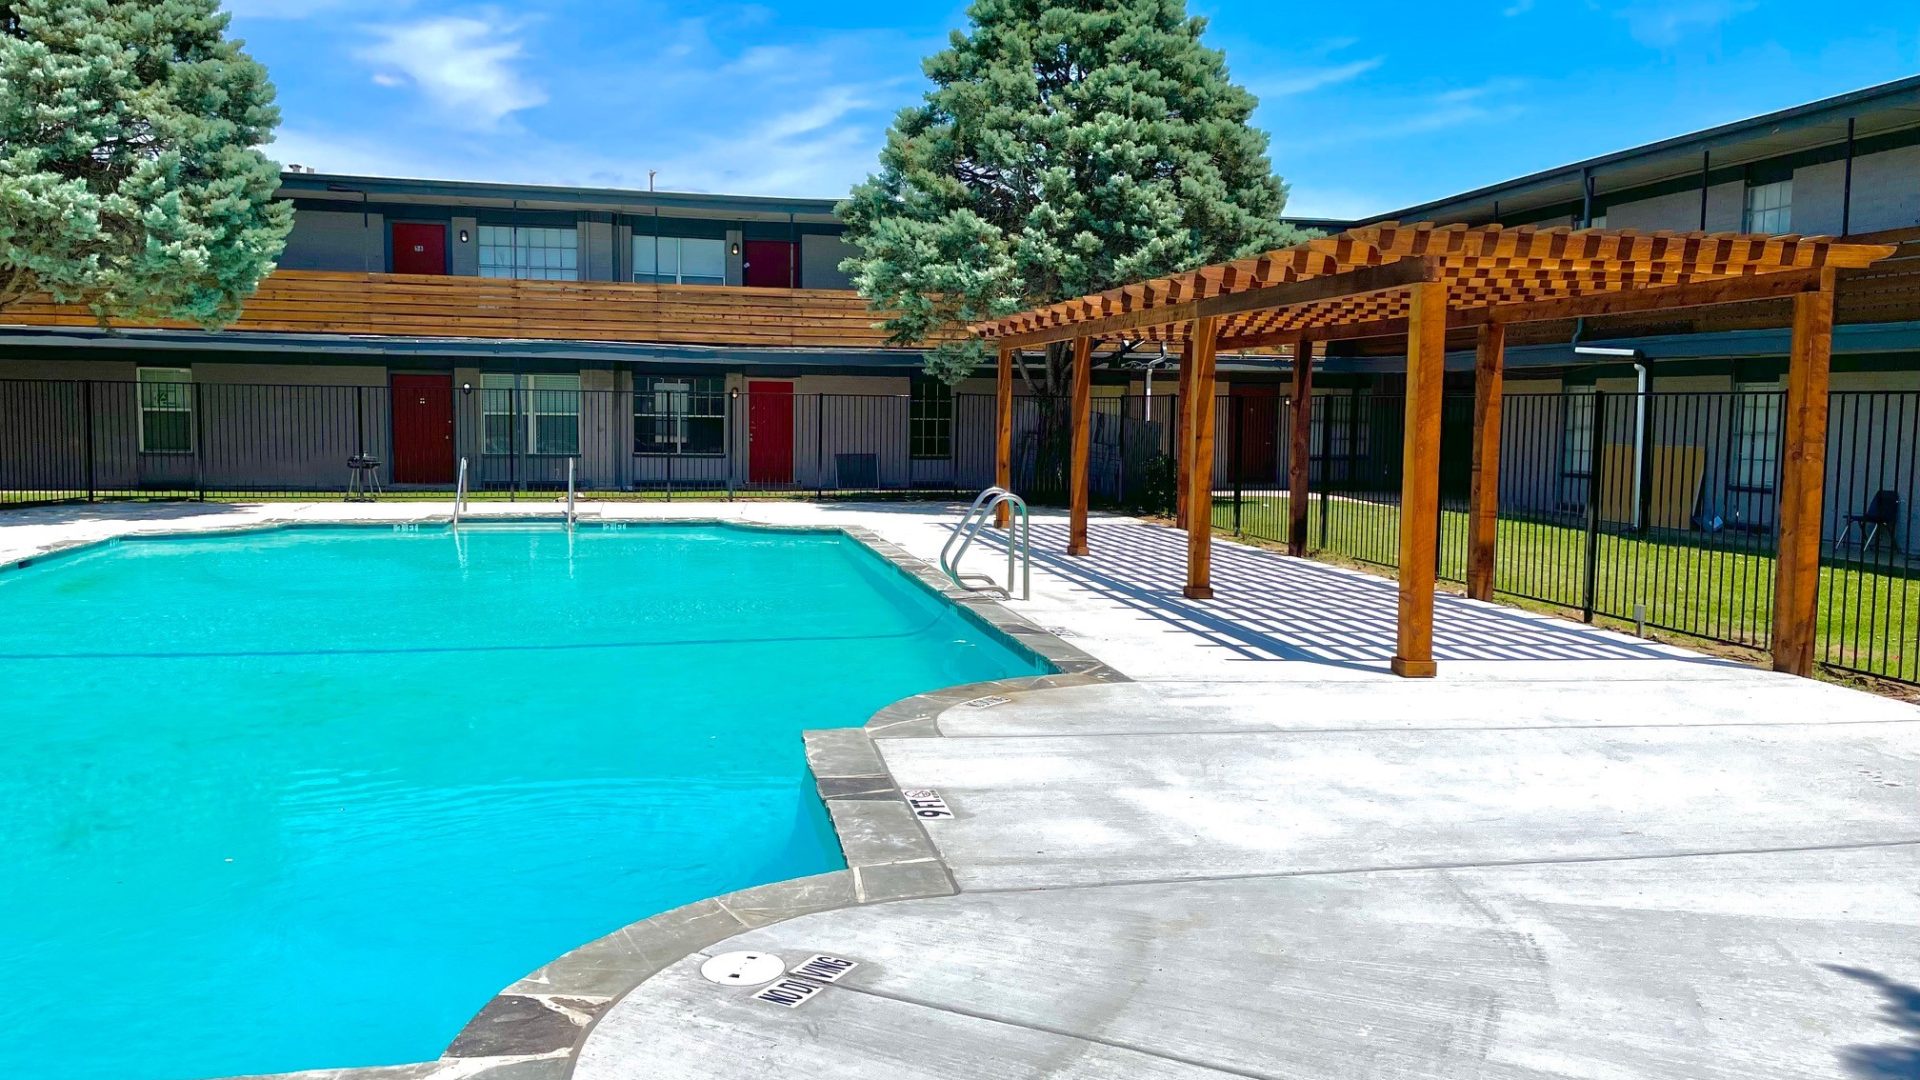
{"x": 1575, "y": 854}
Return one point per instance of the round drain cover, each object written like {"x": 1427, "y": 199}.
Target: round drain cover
{"x": 743, "y": 968}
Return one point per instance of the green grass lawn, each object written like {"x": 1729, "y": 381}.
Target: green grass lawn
{"x": 1869, "y": 617}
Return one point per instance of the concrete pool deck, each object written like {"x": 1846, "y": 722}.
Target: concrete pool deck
{"x": 1574, "y": 854}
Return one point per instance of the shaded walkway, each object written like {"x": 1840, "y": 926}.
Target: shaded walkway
{"x": 1268, "y": 606}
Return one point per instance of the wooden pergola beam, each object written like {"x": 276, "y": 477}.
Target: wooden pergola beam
{"x": 1299, "y": 447}
{"x": 1082, "y": 436}
{"x": 1803, "y": 460}
{"x": 1358, "y": 282}
{"x": 1003, "y": 435}
{"x": 1420, "y": 481}
{"x": 1200, "y": 478}
{"x": 1731, "y": 290}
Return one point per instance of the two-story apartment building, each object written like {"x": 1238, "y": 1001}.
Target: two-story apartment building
{"x": 641, "y": 338}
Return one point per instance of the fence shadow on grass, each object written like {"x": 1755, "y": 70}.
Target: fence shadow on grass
{"x": 1271, "y": 607}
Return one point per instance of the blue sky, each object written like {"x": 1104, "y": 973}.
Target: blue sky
{"x": 1372, "y": 106}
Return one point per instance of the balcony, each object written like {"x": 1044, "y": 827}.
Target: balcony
{"x": 410, "y": 305}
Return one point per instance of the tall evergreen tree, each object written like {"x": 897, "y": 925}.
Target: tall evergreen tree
{"x": 130, "y": 175}
{"x": 1067, "y": 146}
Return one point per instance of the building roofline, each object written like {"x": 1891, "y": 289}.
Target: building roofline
{"x": 488, "y": 193}
{"x": 1803, "y": 115}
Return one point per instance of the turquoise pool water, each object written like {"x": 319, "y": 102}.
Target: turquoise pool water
{"x": 309, "y": 797}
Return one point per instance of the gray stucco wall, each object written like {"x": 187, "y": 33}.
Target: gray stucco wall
{"x": 1886, "y": 193}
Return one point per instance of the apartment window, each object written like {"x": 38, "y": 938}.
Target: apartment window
{"x": 1756, "y": 436}
{"x": 1769, "y": 207}
{"x": 930, "y": 421}
{"x": 533, "y": 253}
{"x": 166, "y": 410}
{"x": 680, "y": 414}
{"x": 676, "y": 260}
{"x": 550, "y": 405}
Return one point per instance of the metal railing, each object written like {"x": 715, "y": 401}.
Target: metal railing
{"x": 460, "y": 493}
{"x": 1019, "y": 544}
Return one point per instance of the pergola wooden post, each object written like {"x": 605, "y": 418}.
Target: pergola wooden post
{"x": 1420, "y": 478}
{"x": 1299, "y": 447}
{"x": 1183, "y": 435}
{"x": 1420, "y": 280}
{"x": 1796, "y": 590}
{"x": 1003, "y": 436}
{"x": 1483, "y": 511}
{"x": 1202, "y": 334}
{"x": 1082, "y": 442}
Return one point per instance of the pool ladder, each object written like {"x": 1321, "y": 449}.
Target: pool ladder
{"x": 1019, "y": 552}
{"x": 460, "y": 493}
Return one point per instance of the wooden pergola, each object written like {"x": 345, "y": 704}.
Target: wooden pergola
{"x": 1419, "y": 281}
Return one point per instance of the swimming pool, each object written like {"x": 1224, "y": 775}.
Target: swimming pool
{"x": 308, "y": 797}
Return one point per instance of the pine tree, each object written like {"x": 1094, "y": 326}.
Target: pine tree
{"x": 130, "y": 175}
{"x": 1067, "y": 146}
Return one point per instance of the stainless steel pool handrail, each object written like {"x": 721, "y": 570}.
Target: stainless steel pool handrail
{"x": 460, "y": 493}
{"x": 570, "y": 462}
{"x": 1019, "y": 545}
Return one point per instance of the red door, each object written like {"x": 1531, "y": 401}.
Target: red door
{"x": 1256, "y": 409}
{"x": 770, "y": 433}
{"x": 423, "y": 429}
{"x": 769, "y": 264}
{"x": 419, "y": 249}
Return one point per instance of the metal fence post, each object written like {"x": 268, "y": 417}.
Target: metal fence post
{"x": 819, "y": 446}
{"x": 86, "y": 404}
{"x": 1237, "y": 430}
{"x": 732, "y": 438}
{"x": 1596, "y": 430}
{"x": 1326, "y": 462}
{"x": 515, "y": 443}
{"x": 199, "y": 445}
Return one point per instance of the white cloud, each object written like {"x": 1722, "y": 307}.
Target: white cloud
{"x": 465, "y": 66}
{"x": 1482, "y": 103}
{"x": 1665, "y": 23}
{"x": 1518, "y": 7}
{"x": 1311, "y": 79}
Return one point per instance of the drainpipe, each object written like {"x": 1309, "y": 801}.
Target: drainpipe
{"x": 1586, "y": 222}
{"x": 1846, "y": 186}
{"x": 1706, "y": 160}
{"x": 1639, "y": 437}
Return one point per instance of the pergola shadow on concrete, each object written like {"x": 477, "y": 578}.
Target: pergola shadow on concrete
{"x": 1419, "y": 281}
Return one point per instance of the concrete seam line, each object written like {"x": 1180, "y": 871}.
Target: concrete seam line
{"x": 1865, "y": 845}
{"x": 1116, "y": 1044}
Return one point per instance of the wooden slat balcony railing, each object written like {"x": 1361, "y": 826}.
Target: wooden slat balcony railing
{"x": 414, "y": 305}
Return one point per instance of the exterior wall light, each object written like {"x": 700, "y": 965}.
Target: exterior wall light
{"x": 736, "y": 247}
{"x": 466, "y": 388}
{"x": 463, "y": 236}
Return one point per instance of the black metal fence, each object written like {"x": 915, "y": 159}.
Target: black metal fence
{"x": 1653, "y": 508}
{"x": 1656, "y": 509}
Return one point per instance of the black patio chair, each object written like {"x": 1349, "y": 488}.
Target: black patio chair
{"x": 363, "y": 478}
{"x": 1882, "y": 510}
